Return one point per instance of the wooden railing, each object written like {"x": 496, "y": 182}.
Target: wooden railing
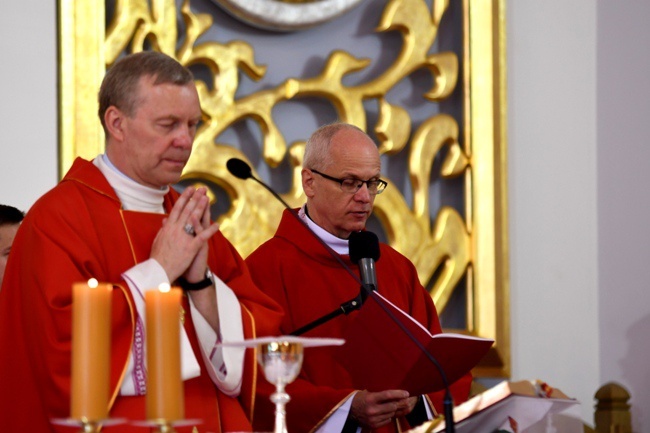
{"x": 612, "y": 413}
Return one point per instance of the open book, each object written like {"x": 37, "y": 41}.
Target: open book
{"x": 517, "y": 407}
{"x": 379, "y": 355}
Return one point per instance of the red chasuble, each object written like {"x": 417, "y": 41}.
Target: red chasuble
{"x": 297, "y": 271}
{"x": 78, "y": 231}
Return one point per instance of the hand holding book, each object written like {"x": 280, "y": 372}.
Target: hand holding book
{"x": 380, "y": 356}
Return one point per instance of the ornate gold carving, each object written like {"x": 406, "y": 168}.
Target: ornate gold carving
{"x": 448, "y": 248}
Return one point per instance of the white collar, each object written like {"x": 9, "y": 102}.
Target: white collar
{"x": 134, "y": 196}
{"x": 337, "y": 244}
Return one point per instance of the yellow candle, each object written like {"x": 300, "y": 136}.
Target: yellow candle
{"x": 91, "y": 339}
{"x": 164, "y": 384}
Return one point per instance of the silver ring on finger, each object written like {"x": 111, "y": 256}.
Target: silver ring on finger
{"x": 189, "y": 229}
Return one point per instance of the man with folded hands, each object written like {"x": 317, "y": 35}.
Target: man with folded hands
{"x": 116, "y": 219}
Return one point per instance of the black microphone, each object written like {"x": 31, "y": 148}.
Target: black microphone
{"x": 364, "y": 250}
{"x": 239, "y": 168}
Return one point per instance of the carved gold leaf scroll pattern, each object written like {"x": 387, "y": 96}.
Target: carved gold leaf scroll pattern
{"x": 254, "y": 215}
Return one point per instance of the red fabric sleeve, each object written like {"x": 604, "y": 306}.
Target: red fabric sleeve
{"x": 64, "y": 248}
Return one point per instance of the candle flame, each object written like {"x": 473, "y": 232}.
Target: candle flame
{"x": 93, "y": 283}
{"x": 164, "y": 287}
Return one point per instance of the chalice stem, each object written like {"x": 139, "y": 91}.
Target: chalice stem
{"x": 280, "y": 398}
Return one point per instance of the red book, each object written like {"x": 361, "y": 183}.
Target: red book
{"x": 379, "y": 355}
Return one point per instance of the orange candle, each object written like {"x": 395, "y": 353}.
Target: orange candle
{"x": 91, "y": 339}
{"x": 164, "y": 384}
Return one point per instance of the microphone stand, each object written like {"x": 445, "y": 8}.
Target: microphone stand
{"x": 345, "y": 308}
{"x": 366, "y": 290}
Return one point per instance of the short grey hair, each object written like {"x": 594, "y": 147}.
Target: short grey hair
{"x": 120, "y": 85}
{"x": 317, "y": 154}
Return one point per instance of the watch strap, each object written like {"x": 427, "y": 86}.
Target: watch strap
{"x": 186, "y": 285}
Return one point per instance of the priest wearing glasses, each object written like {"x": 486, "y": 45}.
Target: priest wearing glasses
{"x": 341, "y": 179}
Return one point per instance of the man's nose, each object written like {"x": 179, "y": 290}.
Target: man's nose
{"x": 363, "y": 193}
{"x": 184, "y": 137}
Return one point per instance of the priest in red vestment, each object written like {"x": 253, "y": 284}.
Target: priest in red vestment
{"x": 340, "y": 177}
{"x": 117, "y": 220}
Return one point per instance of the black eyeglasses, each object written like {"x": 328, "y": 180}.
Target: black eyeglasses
{"x": 351, "y": 185}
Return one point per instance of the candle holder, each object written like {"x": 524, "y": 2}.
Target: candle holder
{"x": 166, "y": 426}
{"x": 86, "y": 425}
{"x": 163, "y": 426}
{"x": 281, "y": 360}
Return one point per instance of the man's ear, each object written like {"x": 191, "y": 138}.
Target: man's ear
{"x": 307, "y": 182}
{"x": 114, "y": 120}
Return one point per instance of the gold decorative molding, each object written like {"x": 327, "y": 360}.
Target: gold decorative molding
{"x": 81, "y": 68}
{"x": 452, "y": 249}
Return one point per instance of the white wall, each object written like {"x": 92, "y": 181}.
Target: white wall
{"x": 552, "y": 194}
{"x": 578, "y": 97}
{"x": 28, "y": 120}
{"x": 624, "y": 201}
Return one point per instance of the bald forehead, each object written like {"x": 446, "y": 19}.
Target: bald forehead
{"x": 347, "y": 141}
{"x": 352, "y": 136}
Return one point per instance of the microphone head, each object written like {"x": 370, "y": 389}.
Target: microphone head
{"x": 239, "y": 168}
{"x": 363, "y": 245}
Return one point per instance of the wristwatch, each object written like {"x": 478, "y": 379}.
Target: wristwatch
{"x": 187, "y": 286}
